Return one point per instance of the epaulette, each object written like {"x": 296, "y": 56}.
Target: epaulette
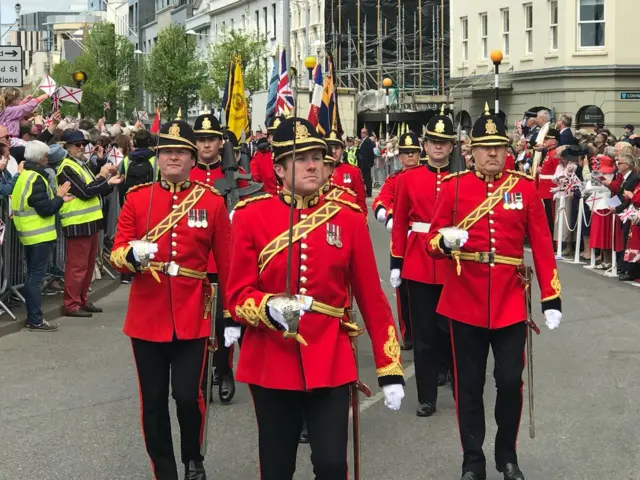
{"x": 246, "y": 201}
{"x": 208, "y": 187}
{"x": 138, "y": 187}
{"x": 457, "y": 174}
{"x": 347, "y": 203}
{"x": 346, "y": 189}
{"x": 520, "y": 174}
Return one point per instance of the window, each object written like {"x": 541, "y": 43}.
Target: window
{"x": 591, "y": 24}
{"x": 273, "y": 14}
{"x": 243, "y": 24}
{"x": 553, "y": 25}
{"x": 464, "y": 34}
{"x": 484, "y": 41}
{"x": 258, "y": 23}
{"x": 504, "y": 13}
{"x": 319, "y": 19}
{"x": 266, "y": 24}
{"x": 233, "y": 24}
{"x": 528, "y": 29}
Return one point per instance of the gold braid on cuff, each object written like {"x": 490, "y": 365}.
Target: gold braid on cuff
{"x": 254, "y": 314}
{"x": 118, "y": 258}
{"x": 392, "y": 352}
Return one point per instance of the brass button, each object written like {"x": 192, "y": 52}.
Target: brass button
{"x": 303, "y": 291}
{"x": 438, "y": 189}
{"x": 492, "y": 264}
{"x": 303, "y": 256}
{"x": 303, "y": 246}
{"x": 174, "y": 235}
{"x": 493, "y": 240}
{"x": 303, "y": 268}
{"x": 493, "y": 249}
{"x": 303, "y": 216}
{"x": 174, "y": 244}
{"x": 438, "y": 182}
{"x": 303, "y": 279}
{"x": 491, "y": 222}
{"x": 492, "y": 231}
{"x": 175, "y": 197}
{"x": 174, "y": 206}
{"x": 490, "y": 212}
{"x": 304, "y": 236}
{"x": 490, "y": 185}
{"x": 174, "y": 253}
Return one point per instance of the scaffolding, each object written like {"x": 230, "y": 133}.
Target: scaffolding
{"x": 407, "y": 41}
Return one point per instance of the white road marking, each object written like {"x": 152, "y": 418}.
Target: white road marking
{"x": 367, "y": 403}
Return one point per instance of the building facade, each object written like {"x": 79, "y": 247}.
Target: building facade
{"x": 575, "y": 57}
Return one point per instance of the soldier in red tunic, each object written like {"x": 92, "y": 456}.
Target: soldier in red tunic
{"x": 416, "y": 192}
{"x": 480, "y": 222}
{"x": 344, "y": 174}
{"x": 262, "y": 162}
{"x": 168, "y": 317}
{"x": 305, "y": 369}
{"x": 550, "y": 161}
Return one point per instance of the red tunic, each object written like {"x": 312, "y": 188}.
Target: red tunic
{"x": 416, "y": 193}
{"x": 262, "y": 171}
{"x": 348, "y": 176}
{"x": 510, "y": 162}
{"x": 386, "y": 196}
{"x": 209, "y": 173}
{"x": 176, "y": 305}
{"x": 493, "y": 296}
{"x": 319, "y": 270}
{"x": 546, "y": 171}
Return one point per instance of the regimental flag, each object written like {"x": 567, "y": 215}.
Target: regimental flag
{"x": 316, "y": 100}
{"x": 273, "y": 92}
{"x": 226, "y": 97}
{"x": 238, "y": 116}
{"x": 336, "y": 122}
{"x": 284, "y": 99}
{"x": 155, "y": 126}
{"x": 327, "y": 110}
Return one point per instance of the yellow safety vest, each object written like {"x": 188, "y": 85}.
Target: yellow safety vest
{"x": 126, "y": 163}
{"x": 77, "y": 211}
{"x": 31, "y": 227}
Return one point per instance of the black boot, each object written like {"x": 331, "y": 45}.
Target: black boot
{"x": 304, "y": 434}
{"x": 426, "y": 410}
{"x": 472, "y": 476}
{"x": 442, "y": 379}
{"x": 511, "y": 471}
{"x": 194, "y": 471}
{"x": 407, "y": 345}
{"x": 227, "y": 388}
{"x": 216, "y": 378}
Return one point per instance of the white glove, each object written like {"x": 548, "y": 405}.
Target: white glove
{"x": 390, "y": 225}
{"x": 142, "y": 248}
{"x": 277, "y": 316}
{"x": 382, "y": 214}
{"x": 231, "y": 215}
{"x": 393, "y": 395}
{"x": 231, "y": 335}
{"x": 396, "y": 281}
{"x": 552, "y": 318}
{"x": 527, "y": 167}
{"x": 305, "y": 302}
{"x": 461, "y": 235}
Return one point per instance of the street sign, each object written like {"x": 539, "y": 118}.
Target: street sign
{"x": 10, "y": 66}
{"x": 630, "y": 95}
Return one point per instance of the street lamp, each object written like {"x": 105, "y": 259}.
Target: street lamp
{"x": 79, "y": 77}
{"x": 310, "y": 62}
{"x": 386, "y": 83}
{"x": 496, "y": 58}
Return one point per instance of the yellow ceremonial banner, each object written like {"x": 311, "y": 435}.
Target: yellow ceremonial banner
{"x": 238, "y": 120}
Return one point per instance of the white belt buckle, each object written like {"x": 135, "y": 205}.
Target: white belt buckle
{"x": 172, "y": 269}
{"x": 421, "y": 227}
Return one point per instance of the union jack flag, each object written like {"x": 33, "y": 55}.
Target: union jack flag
{"x": 55, "y": 102}
{"x": 628, "y": 214}
{"x": 573, "y": 183}
{"x": 284, "y": 101}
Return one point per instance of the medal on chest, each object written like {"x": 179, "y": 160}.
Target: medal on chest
{"x": 333, "y": 235}
{"x": 346, "y": 178}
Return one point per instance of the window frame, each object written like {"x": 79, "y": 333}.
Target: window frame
{"x": 528, "y": 31}
{"x": 464, "y": 38}
{"x": 579, "y": 45}
{"x": 506, "y": 34}
{"x": 554, "y": 27}
{"x": 484, "y": 36}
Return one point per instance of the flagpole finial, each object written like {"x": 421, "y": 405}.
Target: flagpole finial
{"x": 179, "y": 116}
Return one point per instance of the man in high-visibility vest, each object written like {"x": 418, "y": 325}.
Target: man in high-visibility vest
{"x": 34, "y": 205}
{"x": 81, "y": 220}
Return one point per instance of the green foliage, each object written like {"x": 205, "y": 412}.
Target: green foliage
{"x": 174, "y": 73}
{"x": 113, "y": 73}
{"x": 251, "y": 48}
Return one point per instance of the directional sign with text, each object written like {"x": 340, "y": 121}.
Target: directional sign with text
{"x": 630, "y": 95}
{"x": 10, "y": 66}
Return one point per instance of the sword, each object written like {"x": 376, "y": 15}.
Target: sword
{"x": 213, "y": 308}
{"x": 355, "y": 389}
{"x": 526, "y": 276}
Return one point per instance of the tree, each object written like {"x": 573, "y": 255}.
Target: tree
{"x": 174, "y": 74}
{"x": 253, "y": 51}
{"x": 112, "y": 72}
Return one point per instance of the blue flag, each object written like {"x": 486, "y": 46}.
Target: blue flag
{"x": 273, "y": 92}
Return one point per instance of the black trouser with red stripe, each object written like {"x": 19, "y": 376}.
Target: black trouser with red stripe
{"x": 404, "y": 311}
{"x": 470, "y": 351}
{"x": 431, "y": 345}
{"x": 180, "y": 362}
{"x": 279, "y": 414}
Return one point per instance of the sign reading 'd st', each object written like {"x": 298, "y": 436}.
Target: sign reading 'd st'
{"x": 10, "y": 66}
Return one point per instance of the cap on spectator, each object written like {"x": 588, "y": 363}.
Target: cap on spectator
{"x": 56, "y": 154}
{"x": 553, "y": 134}
{"x": 607, "y": 165}
{"x": 73, "y": 136}
{"x": 573, "y": 151}
{"x": 628, "y": 126}
{"x": 86, "y": 134}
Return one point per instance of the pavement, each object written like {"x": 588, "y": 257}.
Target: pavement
{"x": 69, "y": 404}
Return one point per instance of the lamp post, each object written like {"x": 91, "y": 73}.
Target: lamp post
{"x": 310, "y": 63}
{"x": 79, "y": 77}
{"x": 496, "y": 58}
{"x": 386, "y": 83}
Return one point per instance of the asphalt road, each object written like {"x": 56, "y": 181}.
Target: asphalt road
{"x": 69, "y": 402}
